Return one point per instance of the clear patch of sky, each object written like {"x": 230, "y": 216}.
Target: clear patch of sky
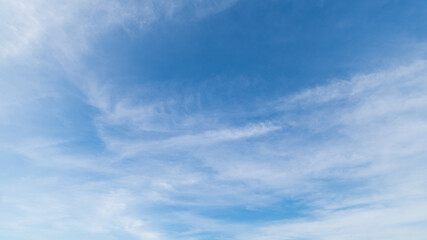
{"x": 282, "y": 210}
{"x": 259, "y": 50}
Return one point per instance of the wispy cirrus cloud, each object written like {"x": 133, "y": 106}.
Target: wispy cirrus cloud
{"x": 350, "y": 159}
{"x": 355, "y": 153}
{"x": 349, "y": 155}
{"x": 375, "y": 128}
{"x": 68, "y": 30}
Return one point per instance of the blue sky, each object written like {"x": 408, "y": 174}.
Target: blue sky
{"x": 214, "y": 119}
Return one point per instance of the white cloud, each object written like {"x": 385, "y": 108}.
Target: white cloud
{"x": 67, "y": 29}
{"x": 355, "y": 160}
{"x": 46, "y": 191}
{"x": 353, "y": 150}
{"x": 372, "y": 131}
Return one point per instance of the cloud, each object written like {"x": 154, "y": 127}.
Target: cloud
{"x": 375, "y": 128}
{"x": 393, "y": 222}
{"x": 56, "y": 192}
{"x": 351, "y": 153}
{"x": 67, "y": 30}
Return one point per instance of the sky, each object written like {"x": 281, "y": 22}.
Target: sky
{"x": 213, "y": 120}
